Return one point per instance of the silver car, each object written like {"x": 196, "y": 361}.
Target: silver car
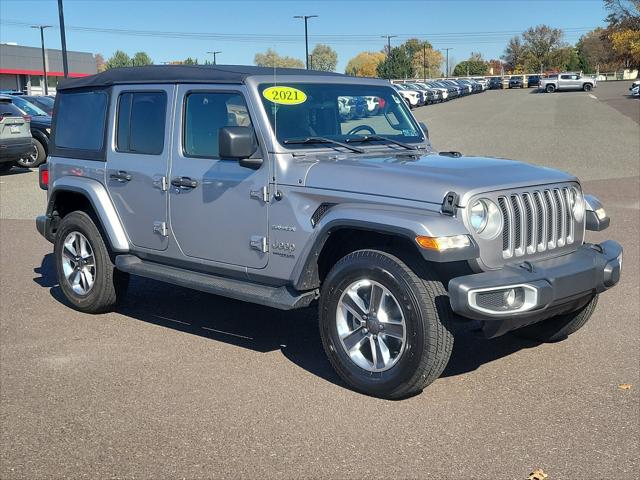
{"x": 151, "y": 173}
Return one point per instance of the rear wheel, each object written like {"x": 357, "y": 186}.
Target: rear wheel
{"x": 86, "y": 273}
{"x": 384, "y": 329}
{"x": 559, "y": 327}
{"x": 36, "y": 157}
{"x": 550, "y": 88}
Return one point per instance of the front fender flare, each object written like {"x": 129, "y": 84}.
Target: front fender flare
{"x": 97, "y": 195}
{"x": 407, "y": 223}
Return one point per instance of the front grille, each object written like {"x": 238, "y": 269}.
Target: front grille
{"x": 536, "y": 221}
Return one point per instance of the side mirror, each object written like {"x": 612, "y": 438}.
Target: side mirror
{"x": 425, "y": 129}
{"x": 240, "y": 144}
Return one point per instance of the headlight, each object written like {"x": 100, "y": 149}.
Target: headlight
{"x": 576, "y": 202}
{"x": 485, "y": 218}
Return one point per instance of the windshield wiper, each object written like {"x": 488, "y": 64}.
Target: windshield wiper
{"x": 300, "y": 141}
{"x": 369, "y": 138}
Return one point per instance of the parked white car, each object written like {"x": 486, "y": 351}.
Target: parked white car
{"x": 482, "y": 81}
{"x": 411, "y": 96}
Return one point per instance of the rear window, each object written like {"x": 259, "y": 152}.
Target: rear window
{"x": 80, "y": 122}
{"x": 141, "y": 120}
{"x": 8, "y": 109}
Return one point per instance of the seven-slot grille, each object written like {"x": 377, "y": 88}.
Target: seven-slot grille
{"x": 537, "y": 221}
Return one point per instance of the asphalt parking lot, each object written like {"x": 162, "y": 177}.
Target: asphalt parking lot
{"x": 180, "y": 384}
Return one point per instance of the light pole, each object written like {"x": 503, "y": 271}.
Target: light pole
{"x": 44, "y": 60}
{"x": 388, "y": 37}
{"x": 447, "y": 50}
{"x": 63, "y": 40}
{"x": 306, "y": 36}
{"x": 214, "y": 55}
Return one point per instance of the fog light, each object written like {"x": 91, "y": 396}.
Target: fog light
{"x": 514, "y": 298}
{"x": 504, "y": 301}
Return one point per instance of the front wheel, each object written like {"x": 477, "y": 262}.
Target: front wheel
{"x": 384, "y": 329}
{"x": 559, "y": 327}
{"x": 587, "y": 87}
{"x": 86, "y": 274}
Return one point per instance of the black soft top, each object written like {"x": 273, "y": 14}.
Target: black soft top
{"x": 180, "y": 74}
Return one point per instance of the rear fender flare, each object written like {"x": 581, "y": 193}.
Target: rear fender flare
{"x": 97, "y": 195}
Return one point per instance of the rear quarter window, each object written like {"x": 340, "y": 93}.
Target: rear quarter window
{"x": 80, "y": 124}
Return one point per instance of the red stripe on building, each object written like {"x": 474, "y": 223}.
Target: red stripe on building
{"x": 11, "y": 71}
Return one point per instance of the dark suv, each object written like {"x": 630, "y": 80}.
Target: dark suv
{"x": 40, "y": 130}
{"x": 516, "y": 82}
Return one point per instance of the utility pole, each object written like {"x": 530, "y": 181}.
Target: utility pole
{"x": 214, "y": 55}
{"x": 447, "y": 50}
{"x": 63, "y": 40}
{"x": 310, "y": 62}
{"x": 44, "y": 59}
{"x": 424, "y": 61}
{"x": 388, "y": 37}
{"x": 306, "y": 36}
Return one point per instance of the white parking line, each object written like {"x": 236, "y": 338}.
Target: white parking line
{"x": 593, "y": 96}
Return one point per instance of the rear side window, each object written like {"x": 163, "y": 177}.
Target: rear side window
{"x": 205, "y": 114}
{"x": 80, "y": 122}
{"x": 141, "y": 121}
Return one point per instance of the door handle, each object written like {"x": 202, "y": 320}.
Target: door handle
{"x": 120, "y": 176}
{"x": 184, "y": 182}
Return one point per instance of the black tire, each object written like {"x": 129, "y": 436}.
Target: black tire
{"x": 424, "y": 303}
{"x": 109, "y": 283}
{"x": 587, "y": 87}
{"x": 5, "y": 167}
{"x": 550, "y": 88}
{"x": 559, "y": 327}
{"x": 38, "y": 156}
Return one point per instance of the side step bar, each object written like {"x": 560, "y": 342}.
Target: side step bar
{"x": 277, "y": 297}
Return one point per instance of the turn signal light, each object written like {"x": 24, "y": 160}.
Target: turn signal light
{"x": 442, "y": 244}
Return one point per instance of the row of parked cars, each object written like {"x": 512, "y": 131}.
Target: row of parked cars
{"x": 25, "y": 126}
{"x": 417, "y": 94}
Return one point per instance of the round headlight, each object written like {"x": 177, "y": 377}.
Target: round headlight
{"x": 478, "y": 216}
{"x": 485, "y": 218}
{"x": 576, "y": 202}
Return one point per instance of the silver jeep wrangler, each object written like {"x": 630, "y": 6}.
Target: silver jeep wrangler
{"x": 250, "y": 183}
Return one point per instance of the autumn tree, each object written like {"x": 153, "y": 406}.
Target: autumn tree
{"x": 271, "y": 58}
{"x": 514, "y": 53}
{"x": 100, "y": 63}
{"x": 496, "y": 66}
{"x": 623, "y": 30}
{"x": 323, "y": 58}
{"x": 539, "y": 44}
{"x": 365, "y": 64}
{"x": 425, "y": 59}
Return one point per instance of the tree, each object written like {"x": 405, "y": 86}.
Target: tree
{"x": 424, "y": 58}
{"x": 496, "y": 67}
{"x": 271, "y": 59}
{"x": 623, "y": 14}
{"x": 623, "y": 30}
{"x": 118, "y": 59}
{"x": 626, "y": 44}
{"x": 539, "y": 44}
{"x": 100, "y": 63}
{"x": 514, "y": 53}
{"x": 140, "y": 59}
{"x": 595, "y": 52}
{"x": 398, "y": 64}
{"x": 324, "y": 58}
{"x": 365, "y": 64}
{"x": 565, "y": 59}
{"x": 475, "y": 65}
{"x": 190, "y": 61}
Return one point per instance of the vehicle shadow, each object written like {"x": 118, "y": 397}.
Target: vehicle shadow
{"x": 15, "y": 171}
{"x": 262, "y": 329}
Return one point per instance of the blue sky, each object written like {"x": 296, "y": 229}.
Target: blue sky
{"x": 349, "y": 26}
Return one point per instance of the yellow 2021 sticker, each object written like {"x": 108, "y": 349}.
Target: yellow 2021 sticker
{"x": 284, "y": 95}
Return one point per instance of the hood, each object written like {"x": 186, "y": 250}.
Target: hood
{"x": 429, "y": 178}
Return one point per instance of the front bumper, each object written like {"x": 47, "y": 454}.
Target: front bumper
{"x": 549, "y": 287}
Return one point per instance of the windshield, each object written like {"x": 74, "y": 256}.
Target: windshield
{"x": 27, "y": 107}
{"x": 339, "y": 112}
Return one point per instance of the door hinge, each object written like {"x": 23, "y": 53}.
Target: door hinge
{"x": 262, "y": 194}
{"x": 161, "y": 183}
{"x": 161, "y": 228}
{"x": 259, "y": 243}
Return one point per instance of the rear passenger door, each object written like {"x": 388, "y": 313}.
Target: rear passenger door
{"x": 138, "y": 160}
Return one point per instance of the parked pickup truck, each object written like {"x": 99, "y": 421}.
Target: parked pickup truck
{"x": 567, "y": 81}
{"x": 151, "y": 174}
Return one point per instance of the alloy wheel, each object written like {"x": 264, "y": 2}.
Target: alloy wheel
{"x": 78, "y": 263}
{"x": 371, "y": 325}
